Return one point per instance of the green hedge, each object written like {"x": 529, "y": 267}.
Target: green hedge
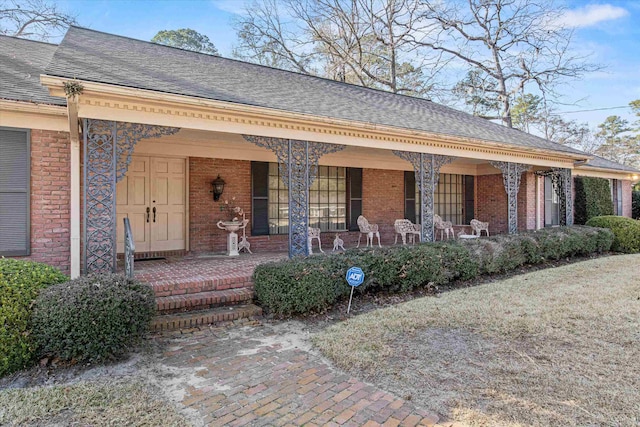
{"x": 592, "y": 198}
{"x": 313, "y": 284}
{"x": 635, "y": 205}
{"x": 626, "y": 231}
{"x": 92, "y": 318}
{"x": 20, "y": 282}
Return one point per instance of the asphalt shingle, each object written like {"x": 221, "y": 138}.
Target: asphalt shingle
{"x": 22, "y": 62}
{"x": 106, "y": 58}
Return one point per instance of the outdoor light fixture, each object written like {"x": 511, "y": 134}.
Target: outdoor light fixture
{"x": 218, "y": 188}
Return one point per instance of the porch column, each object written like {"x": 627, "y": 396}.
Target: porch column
{"x": 562, "y": 181}
{"x": 298, "y": 164}
{"x": 107, "y": 153}
{"x": 511, "y": 174}
{"x": 427, "y": 170}
{"x": 565, "y": 188}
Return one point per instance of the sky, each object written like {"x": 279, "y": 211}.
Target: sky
{"x": 607, "y": 31}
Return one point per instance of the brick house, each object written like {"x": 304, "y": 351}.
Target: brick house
{"x": 103, "y": 127}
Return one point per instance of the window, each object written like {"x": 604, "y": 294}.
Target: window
{"x": 452, "y": 197}
{"x": 616, "y": 196}
{"x": 551, "y": 203}
{"x": 15, "y": 170}
{"x": 328, "y": 206}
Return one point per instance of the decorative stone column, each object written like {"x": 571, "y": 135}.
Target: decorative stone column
{"x": 511, "y": 174}
{"x": 427, "y": 170}
{"x": 298, "y": 165}
{"x": 108, "y": 146}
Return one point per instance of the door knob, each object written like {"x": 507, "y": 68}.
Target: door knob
{"x": 154, "y": 214}
{"x": 148, "y": 213}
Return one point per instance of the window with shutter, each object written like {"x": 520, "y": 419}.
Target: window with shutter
{"x": 14, "y": 191}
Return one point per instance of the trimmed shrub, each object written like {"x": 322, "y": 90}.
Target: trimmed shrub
{"x": 313, "y": 284}
{"x": 635, "y": 205}
{"x": 20, "y": 282}
{"x": 93, "y": 318}
{"x": 626, "y": 231}
{"x": 592, "y": 198}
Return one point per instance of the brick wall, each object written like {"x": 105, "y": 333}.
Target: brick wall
{"x": 50, "y": 198}
{"x": 383, "y": 194}
{"x": 626, "y": 198}
{"x": 491, "y": 203}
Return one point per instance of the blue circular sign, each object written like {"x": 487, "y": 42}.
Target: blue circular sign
{"x": 355, "y": 276}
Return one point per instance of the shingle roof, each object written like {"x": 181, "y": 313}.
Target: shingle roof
{"x": 106, "y": 58}
{"x": 22, "y": 63}
{"x": 600, "y": 162}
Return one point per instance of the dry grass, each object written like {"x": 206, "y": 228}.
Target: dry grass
{"x": 554, "y": 347}
{"x": 94, "y": 403}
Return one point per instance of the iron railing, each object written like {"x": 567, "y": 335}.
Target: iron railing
{"x": 129, "y": 249}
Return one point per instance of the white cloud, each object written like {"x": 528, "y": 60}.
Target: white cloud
{"x": 235, "y": 7}
{"x": 592, "y": 14}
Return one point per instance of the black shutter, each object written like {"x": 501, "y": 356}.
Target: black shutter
{"x": 259, "y": 198}
{"x": 469, "y": 200}
{"x": 410, "y": 196}
{"x": 355, "y": 197}
{"x": 15, "y": 170}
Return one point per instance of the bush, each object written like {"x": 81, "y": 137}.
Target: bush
{"x": 20, "y": 282}
{"x": 626, "y": 231}
{"x": 92, "y": 318}
{"x": 592, "y": 198}
{"x": 635, "y": 205}
{"x": 313, "y": 284}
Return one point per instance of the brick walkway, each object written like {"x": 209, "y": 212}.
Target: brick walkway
{"x": 268, "y": 376}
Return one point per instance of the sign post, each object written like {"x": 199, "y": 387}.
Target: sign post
{"x": 355, "y": 277}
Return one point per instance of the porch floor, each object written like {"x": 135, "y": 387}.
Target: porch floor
{"x": 202, "y": 267}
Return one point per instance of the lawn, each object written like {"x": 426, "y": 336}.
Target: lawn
{"x": 554, "y": 347}
{"x": 103, "y": 402}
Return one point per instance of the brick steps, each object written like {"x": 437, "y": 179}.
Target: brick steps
{"x": 203, "y": 300}
{"x": 198, "y": 285}
{"x": 198, "y": 319}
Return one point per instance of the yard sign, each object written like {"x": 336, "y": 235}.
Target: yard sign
{"x": 355, "y": 277}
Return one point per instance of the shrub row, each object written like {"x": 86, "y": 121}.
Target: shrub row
{"x": 625, "y": 230}
{"x": 312, "y": 284}
{"x": 20, "y": 282}
{"x": 592, "y": 198}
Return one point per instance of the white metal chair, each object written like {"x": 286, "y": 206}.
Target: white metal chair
{"x": 443, "y": 226}
{"x": 478, "y": 226}
{"x": 404, "y": 227}
{"x": 313, "y": 233}
{"x": 369, "y": 229}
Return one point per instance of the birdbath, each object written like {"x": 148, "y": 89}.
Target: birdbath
{"x": 232, "y": 239}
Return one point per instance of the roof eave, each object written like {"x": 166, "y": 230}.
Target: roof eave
{"x": 55, "y": 85}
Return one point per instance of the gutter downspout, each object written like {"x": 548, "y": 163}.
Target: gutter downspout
{"x": 74, "y": 134}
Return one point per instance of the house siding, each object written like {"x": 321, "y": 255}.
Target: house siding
{"x": 50, "y": 198}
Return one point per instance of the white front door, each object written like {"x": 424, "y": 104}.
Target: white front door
{"x": 152, "y": 195}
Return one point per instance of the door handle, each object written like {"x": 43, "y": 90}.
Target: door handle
{"x": 148, "y": 213}
{"x": 154, "y": 214}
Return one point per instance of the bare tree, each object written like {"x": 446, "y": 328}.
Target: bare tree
{"x": 366, "y": 42}
{"x": 510, "y": 44}
{"x": 33, "y": 19}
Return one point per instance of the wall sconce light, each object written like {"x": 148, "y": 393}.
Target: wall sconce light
{"x": 218, "y": 188}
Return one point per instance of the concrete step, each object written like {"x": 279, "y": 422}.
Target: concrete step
{"x": 200, "y": 319}
{"x": 197, "y": 285}
{"x": 203, "y": 300}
